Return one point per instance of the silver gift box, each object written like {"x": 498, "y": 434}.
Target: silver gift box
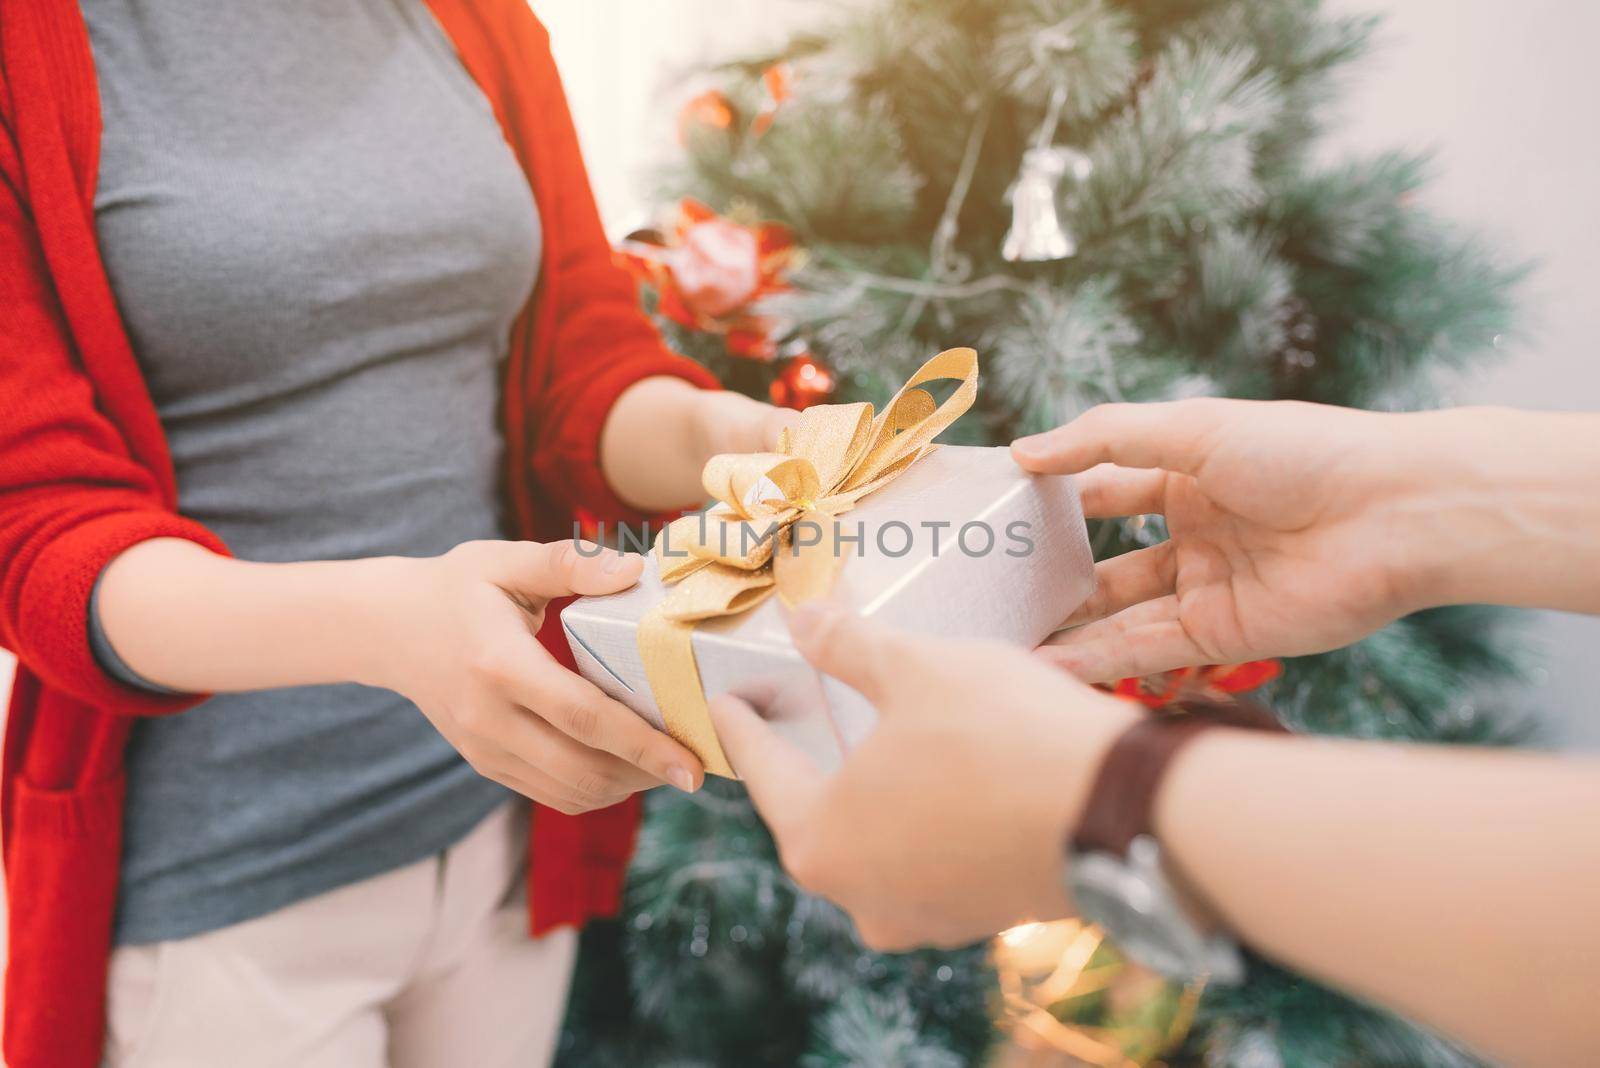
{"x": 963, "y": 545}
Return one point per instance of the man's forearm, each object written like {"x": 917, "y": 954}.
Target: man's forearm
{"x": 1507, "y": 508}
{"x": 181, "y": 616}
{"x": 1456, "y": 887}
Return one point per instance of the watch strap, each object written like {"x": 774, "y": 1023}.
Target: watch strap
{"x": 1122, "y": 798}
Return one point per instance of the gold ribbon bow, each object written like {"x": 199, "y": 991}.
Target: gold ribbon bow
{"x": 729, "y": 559}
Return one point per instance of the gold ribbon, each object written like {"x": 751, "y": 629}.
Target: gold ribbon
{"x": 729, "y": 559}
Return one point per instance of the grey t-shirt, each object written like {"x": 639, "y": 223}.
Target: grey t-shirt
{"x": 318, "y": 239}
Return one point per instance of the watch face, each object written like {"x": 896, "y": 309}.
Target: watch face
{"x": 1130, "y": 900}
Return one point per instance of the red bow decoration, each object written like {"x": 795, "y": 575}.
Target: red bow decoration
{"x": 710, "y": 271}
{"x": 1218, "y": 680}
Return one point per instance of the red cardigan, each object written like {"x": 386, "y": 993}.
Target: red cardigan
{"x": 84, "y": 473}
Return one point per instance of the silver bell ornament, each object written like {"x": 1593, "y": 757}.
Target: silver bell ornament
{"x": 1037, "y": 233}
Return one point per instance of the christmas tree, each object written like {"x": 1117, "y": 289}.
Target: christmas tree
{"x": 1112, "y": 202}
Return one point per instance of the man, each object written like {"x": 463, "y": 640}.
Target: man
{"x": 1454, "y": 886}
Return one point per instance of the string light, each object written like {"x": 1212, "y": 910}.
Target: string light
{"x": 1047, "y": 970}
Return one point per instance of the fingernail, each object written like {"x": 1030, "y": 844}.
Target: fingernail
{"x": 613, "y": 563}
{"x": 1032, "y": 445}
{"x": 679, "y": 776}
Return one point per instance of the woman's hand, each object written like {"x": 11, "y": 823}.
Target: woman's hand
{"x": 458, "y": 640}
{"x": 1297, "y": 528}
{"x": 732, "y": 422}
{"x": 950, "y": 821}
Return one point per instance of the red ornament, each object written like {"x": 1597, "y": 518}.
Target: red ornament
{"x": 711, "y": 271}
{"x": 710, "y": 109}
{"x": 777, "y": 81}
{"x": 1218, "y": 680}
{"x": 802, "y": 382}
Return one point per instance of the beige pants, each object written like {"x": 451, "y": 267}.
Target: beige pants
{"x": 429, "y": 966}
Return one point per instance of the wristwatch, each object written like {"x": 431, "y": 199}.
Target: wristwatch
{"x": 1115, "y": 868}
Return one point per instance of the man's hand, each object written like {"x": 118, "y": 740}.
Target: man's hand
{"x": 950, "y": 821}
{"x": 1295, "y": 528}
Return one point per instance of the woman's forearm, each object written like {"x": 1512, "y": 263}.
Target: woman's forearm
{"x": 661, "y": 432}
{"x": 1456, "y": 887}
{"x": 651, "y": 448}
{"x": 184, "y": 617}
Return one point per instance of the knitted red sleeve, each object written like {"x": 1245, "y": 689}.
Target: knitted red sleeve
{"x": 72, "y": 496}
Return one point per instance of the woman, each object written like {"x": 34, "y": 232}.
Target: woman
{"x": 1456, "y": 886}
{"x": 318, "y": 281}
